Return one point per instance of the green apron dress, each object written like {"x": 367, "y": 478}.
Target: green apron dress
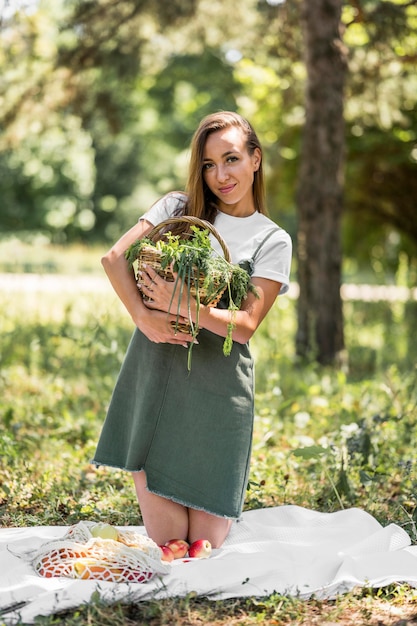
{"x": 190, "y": 431}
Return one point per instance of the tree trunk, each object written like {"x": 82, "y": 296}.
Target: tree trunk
{"x": 320, "y": 187}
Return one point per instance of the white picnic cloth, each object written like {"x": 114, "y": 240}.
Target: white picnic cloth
{"x": 287, "y": 549}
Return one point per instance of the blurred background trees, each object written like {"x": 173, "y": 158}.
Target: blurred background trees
{"x": 99, "y": 100}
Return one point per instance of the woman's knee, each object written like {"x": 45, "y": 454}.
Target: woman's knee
{"x": 204, "y": 525}
{"x": 163, "y": 518}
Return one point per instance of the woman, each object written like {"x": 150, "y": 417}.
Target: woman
{"x": 186, "y": 437}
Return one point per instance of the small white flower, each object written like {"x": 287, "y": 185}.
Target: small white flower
{"x": 303, "y": 441}
{"x": 320, "y": 401}
{"x": 349, "y": 429}
{"x": 301, "y": 419}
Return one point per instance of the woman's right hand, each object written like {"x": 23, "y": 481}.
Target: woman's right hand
{"x": 158, "y": 327}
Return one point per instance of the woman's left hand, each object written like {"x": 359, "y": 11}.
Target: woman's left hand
{"x": 164, "y": 295}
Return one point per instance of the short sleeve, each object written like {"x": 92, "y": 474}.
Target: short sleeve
{"x": 274, "y": 259}
{"x": 165, "y": 207}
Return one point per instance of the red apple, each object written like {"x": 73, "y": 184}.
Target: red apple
{"x": 179, "y": 547}
{"x": 166, "y": 554}
{"x": 200, "y": 549}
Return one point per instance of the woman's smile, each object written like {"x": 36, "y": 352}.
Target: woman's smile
{"x": 227, "y": 189}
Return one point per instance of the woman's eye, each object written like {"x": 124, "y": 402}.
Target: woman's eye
{"x": 207, "y": 166}
{"x": 232, "y": 159}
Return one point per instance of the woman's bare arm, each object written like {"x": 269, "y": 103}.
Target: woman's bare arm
{"x": 246, "y": 320}
{"x": 154, "y": 324}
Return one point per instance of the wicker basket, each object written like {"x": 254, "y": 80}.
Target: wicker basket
{"x": 151, "y": 257}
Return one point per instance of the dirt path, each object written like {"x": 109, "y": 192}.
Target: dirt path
{"x": 55, "y": 283}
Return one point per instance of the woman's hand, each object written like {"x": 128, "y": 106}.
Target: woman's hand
{"x": 163, "y": 303}
{"x": 171, "y": 297}
{"x": 157, "y": 327}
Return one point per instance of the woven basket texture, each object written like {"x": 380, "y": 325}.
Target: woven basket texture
{"x": 152, "y": 257}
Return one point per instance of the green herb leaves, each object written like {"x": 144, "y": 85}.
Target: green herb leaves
{"x": 200, "y": 270}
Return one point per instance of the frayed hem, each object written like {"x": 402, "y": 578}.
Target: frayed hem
{"x": 185, "y": 503}
{"x": 120, "y": 467}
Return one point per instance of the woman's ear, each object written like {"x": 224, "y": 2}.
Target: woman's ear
{"x": 257, "y": 158}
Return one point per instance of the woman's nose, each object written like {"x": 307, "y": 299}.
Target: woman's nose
{"x": 222, "y": 173}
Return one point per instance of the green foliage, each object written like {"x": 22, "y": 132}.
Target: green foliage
{"x": 382, "y": 166}
{"x": 198, "y": 269}
{"x": 189, "y": 87}
{"x": 323, "y": 438}
{"x": 381, "y": 130}
{"x": 100, "y": 101}
{"x": 192, "y": 256}
{"x": 328, "y": 438}
{"x": 51, "y": 413}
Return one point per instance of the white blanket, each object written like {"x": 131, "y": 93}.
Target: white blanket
{"x": 289, "y": 550}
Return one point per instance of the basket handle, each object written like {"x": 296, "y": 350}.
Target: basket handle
{"x": 190, "y": 219}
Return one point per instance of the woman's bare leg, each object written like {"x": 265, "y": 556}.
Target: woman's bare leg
{"x": 163, "y": 518}
{"x": 203, "y": 525}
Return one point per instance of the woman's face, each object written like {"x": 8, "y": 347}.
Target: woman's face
{"x": 228, "y": 170}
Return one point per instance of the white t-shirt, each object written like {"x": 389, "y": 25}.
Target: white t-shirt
{"x": 242, "y": 236}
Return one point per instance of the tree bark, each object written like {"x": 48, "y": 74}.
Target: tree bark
{"x": 320, "y": 186}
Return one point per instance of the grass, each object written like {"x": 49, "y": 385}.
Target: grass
{"x": 324, "y": 439}
{"x": 33, "y": 253}
{"x": 394, "y": 606}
